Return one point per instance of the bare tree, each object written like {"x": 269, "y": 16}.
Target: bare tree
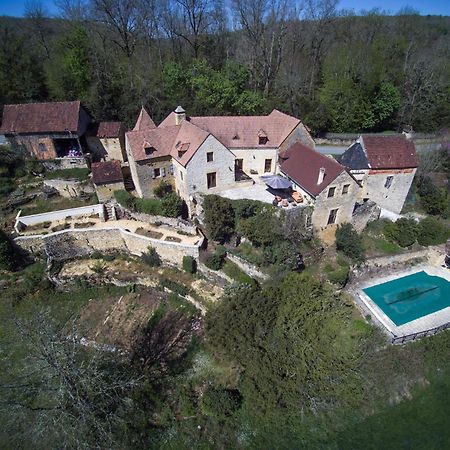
{"x": 37, "y": 15}
{"x": 60, "y": 391}
{"x": 263, "y": 23}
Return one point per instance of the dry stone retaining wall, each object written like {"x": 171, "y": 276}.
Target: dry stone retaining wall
{"x": 68, "y": 244}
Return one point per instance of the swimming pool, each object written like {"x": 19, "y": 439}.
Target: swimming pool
{"x": 410, "y": 297}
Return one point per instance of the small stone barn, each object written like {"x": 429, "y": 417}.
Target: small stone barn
{"x": 107, "y": 178}
{"x": 384, "y": 166}
{"x": 48, "y": 131}
{"x": 106, "y": 141}
{"x": 323, "y": 182}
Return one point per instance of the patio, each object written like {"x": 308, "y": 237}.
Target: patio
{"x": 261, "y": 192}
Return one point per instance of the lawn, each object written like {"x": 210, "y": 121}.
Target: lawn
{"x": 41, "y": 205}
{"x": 75, "y": 173}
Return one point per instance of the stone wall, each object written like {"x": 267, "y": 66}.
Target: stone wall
{"x": 83, "y": 211}
{"x": 344, "y": 203}
{"x": 70, "y": 188}
{"x": 107, "y": 148}
{"x": 105, "y": 192}
{"x": 248, "y": 268}
{"x": 180, "y": 224}
{"x": 254, "y": 159}
{"x": 391, "y": 198}
{"x": 68, "y": 244}
{"x": 365, "y": 213}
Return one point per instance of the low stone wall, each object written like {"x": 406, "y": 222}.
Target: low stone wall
{"x": 71, "y": 188}
{"x": 248, "y": 268}
{"x": 61, "y": 214}
{"x": 180, "y": 224}
{"x": 69, "y": 244}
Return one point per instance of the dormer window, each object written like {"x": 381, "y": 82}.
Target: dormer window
{"x": 262, "y": 137}
{"x": 149, "y": 150}
{"x": 183, "y": 148}
{"x": 236, "y": 137}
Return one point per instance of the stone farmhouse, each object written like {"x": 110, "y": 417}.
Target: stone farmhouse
{"x": 106, "y": 141}
{"x": 384, "y": 166}
{"x": 323, "y": 183}
{"x": 208, "y": 154}
{"x": 107, "y": 178}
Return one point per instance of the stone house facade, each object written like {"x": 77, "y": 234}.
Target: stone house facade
{"x": 207, "y": 154}
{"x": 48, "y": 131}
{"x": 323, "y": 183}
{"x": 384, "y": 166}
{"x": 106, "y": 141}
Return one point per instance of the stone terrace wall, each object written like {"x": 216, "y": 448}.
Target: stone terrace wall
{"x": 248, "y": 268}
{"x": 180, "y": 224}
{"x": 68, "y": 244}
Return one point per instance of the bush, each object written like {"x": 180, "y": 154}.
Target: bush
{"x": 189, "y": 264}
{"x": 162, "y": 189}
{"x": 403, "y": 231}
{"x": 217, "y": 260}
{"x": 283, "y": 254}
{"x": 349, "y": 242}
{"x": 172, "y": 205}
{"x": 243, "y": 209}
{"x": 219, "y": 217}
{"x": 151, "y": 257}
{"x": 173, "y": 286}
{"x": 262, "y": 229}
{"x": 221, "y": 403}
{"x": 432, "y": 232}
{"x": 125, "y": 199}
{"x": 7, "y": 253}
{"x": 433, "y": 199}
{"x": 338, "y": 275}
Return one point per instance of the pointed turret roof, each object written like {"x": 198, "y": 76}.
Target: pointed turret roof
{"x": 144, "y": 121}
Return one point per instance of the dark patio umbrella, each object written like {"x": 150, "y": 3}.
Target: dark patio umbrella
{"x": 276, "y": 181}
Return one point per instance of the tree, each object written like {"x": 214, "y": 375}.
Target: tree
{"x": 219, "y": 217}
{"x": 349, "y": 242}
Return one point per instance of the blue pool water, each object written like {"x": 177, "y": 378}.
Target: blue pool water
{"x": 410, "y": 297}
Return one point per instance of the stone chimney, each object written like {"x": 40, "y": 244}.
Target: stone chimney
{"x": 321, "y": 175}
{"x": 180, "y": 115}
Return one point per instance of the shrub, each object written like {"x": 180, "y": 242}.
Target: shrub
{"x": 216, "y": 260}
{"x": 7, "y": 253}
{"x": 219, "y": 217}
{"x": 151, "y": 257}
{"x": 349, "y": 242}
{"x": 175, "y": 287}
{"x": 262, "y": 229}
{"x": 243, "y": 209}
{"x": 189, "y": 264}
{"x": 283, "y": 254}
{"x": 125, "y": 199}
{"x": 338, "y": 275}
{"x": 221, "y": 403}
{"x": 433, "y": 199}
{"x": 432, "y": 232}
{"x": 403, "y": 231}
{"x": 162, "y": 189}
{"x": 172, "y": 205}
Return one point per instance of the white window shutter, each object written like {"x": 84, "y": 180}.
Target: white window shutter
{"x": 153, "y": 173}
{"x": 163, "y": 171}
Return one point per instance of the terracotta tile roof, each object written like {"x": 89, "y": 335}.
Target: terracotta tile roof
{"x": 180, "y": 142}
{"x": 106, "y": 129}
{"x": 54, "y": 117}
{"x": 106, "y": 172}
{"x": 243, "y": 131}
{"x": 389, "y": 152}
{"x": 144, "y": 121}
{"x": 302, "y": 164}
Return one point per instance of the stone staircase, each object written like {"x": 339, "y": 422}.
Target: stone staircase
{"x": 128, "y": 182}
{"x": 110, "y": 213}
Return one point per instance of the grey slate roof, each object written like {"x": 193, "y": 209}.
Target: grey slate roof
{"x": 354, "y": 158}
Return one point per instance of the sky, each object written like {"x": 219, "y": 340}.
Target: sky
{"x": 432, "y": 7}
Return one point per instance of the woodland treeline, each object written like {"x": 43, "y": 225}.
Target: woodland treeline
{"x": 336, "y": 71}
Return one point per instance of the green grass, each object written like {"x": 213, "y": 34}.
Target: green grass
{"x": 233, "y": 271}
{"x": 41, "y": 205}
{"x": 77, "y": 173}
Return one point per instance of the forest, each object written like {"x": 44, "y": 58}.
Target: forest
{"x": 335, "y": 70}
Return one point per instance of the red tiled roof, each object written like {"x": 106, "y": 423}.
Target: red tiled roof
{"x": 108, "y": 129}
{"x": 302, "y": 165}
{"x": 167, "y": 141}
{"x": 243, "y": 131}
{"x": 389, "y": 152}
{"x": 144, "y": 121}
{"x": 106, "y": 172}
{"x": 54, "y": 117}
